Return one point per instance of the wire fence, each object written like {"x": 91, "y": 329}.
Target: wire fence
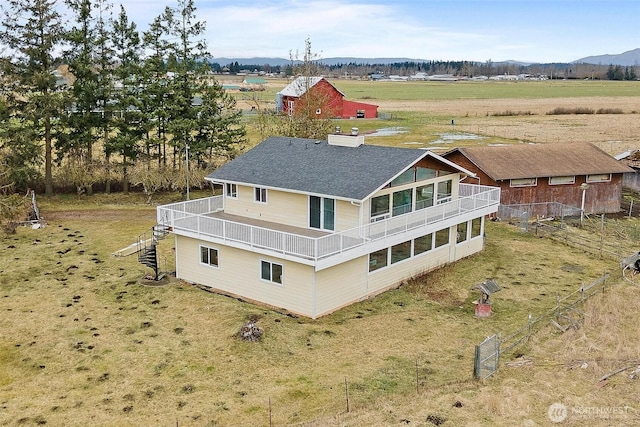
{"x": 565, "y": 314}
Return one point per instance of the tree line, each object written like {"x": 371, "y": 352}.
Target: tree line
{"x": 87, "y": 99}
{"x": 458, "y": 68}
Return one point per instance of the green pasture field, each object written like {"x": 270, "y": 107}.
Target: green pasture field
{"x": 426, "y": 90}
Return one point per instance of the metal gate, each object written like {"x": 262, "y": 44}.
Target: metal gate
{"x": 486, "y": 360}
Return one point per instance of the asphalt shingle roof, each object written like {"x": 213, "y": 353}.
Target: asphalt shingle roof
{"x": 315, "y": 167}
{"x": 541, "y": 160}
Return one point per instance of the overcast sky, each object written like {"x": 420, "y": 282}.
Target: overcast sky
{"x": 475, "y": 30}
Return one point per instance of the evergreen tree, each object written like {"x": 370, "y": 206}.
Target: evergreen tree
{"x": 129, "y": 117}
{"x": 82, "y": 123}
{"x": 32, "y": 31}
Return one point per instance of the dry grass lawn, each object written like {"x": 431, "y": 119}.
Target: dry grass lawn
{"x": 85, "y": 343}
{"x": 613, "y": 133}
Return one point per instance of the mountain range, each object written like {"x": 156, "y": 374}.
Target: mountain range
{"x": 629, "y": 58}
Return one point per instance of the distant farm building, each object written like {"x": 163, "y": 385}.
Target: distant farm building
{"x": 535, "y": 174}
{"x": 630, "y": 158}
{"x": 330, "y": 101}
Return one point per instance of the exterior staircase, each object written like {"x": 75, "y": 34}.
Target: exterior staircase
{"x": 147, "y": 247}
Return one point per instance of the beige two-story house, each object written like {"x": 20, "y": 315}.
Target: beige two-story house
{"x": 311, "y": 226}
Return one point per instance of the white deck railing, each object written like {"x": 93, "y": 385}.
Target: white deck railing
{"x": 190, "y": 217}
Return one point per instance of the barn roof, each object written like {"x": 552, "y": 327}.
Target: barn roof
{"x": 541, "y": 160}
{"x": 316, "y": 167}
{"x": 300, "y": 85}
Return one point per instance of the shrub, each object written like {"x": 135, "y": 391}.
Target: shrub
{"x": 565, "y": 110}
{"x": 609, "y": 111}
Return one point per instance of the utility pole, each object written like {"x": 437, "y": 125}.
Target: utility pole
{"x": 186, "y": 153}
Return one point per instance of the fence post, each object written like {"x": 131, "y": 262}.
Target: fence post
{"x": 346, "y": 392}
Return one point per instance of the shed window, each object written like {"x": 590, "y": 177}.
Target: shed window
{"x": 524, "y": 182}
{"x": 559, "y": 180}
{"x": 603, "y": 177}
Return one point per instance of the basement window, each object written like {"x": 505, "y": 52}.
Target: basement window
{"x": 271, "y": 272}
{"x": 422, "y": 244}
{"x": 442, "y": 237}
{"x": 476, "y": 227}
{"x": 461, "y": 235}
{"x": 400, "y": 252}
{"x": 209, "y": 256}
{"x": 378, "y": 259}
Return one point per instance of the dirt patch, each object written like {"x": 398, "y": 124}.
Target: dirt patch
{"x": 167, "y": 279}
{"x": 99, "y": 214}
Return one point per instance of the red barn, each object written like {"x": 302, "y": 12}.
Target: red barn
{"x": 324, "y": 97}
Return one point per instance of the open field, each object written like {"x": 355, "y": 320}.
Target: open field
{"x": 84, "y": 342}
{"x": 498, "y": 112}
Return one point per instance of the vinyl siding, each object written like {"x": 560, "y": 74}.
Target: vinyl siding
{"x": 288, "y": 208}
{"x": 284, "y": 208}
{"x": 341, "y": 285}
{"x": 239, "y": 274}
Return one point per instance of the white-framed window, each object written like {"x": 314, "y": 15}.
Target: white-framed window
{"x": 442, "y": 237}
{"x": 378, "y": 259}
{"x": 271, "y": 272}
{"x": 401, "y": 251}
{"x": 231, "y": 190}
{"x": 260, "y": 195}
{"x": 379, "y": 207}
{"x": 322, "y": 213}
{"x": 422, "y": 244}
{"x": 444, "y": 191}
{"x": 560, "y": 180}
{"x": 602, "y": 177}
{"x": 291, "y": 106}
{"x": 523, "y": 182}
{"x": 209, "y": 256}
{"x": 461, "y": 235}
{"x": 476, "y": 227}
